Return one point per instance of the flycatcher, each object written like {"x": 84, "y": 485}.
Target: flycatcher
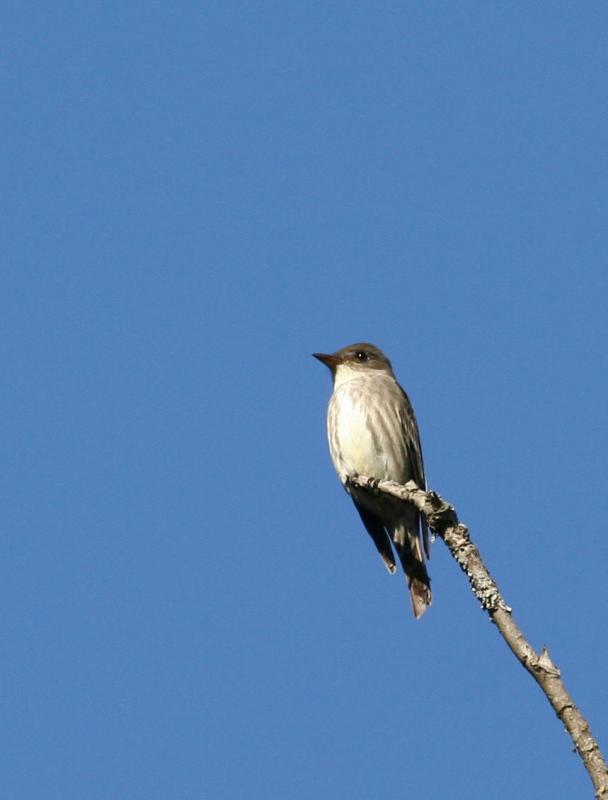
{"x": 372, "y": 430}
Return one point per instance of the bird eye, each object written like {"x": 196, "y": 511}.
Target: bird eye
{"x": 361, "y": 355}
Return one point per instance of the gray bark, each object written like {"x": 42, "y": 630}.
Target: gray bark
{"x": 443, "y": 521}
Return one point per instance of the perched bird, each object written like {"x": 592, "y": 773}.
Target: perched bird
{"x": 372, "y": 430}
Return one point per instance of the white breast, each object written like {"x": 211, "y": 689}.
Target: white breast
{"x": 364, "y": 427}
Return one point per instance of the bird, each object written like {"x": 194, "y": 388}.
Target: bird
{"x": 372, "y": 431}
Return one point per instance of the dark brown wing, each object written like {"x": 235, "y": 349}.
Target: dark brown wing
{"x": 376, "y": 530}
{"x": 414, "y": 454}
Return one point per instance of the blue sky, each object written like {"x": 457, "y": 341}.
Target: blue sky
{"x": 199, "y": 196}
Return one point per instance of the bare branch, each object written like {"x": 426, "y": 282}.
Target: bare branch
{"x": 443, "y": 520}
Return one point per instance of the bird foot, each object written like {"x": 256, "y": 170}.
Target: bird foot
{"x": 372, "y": 485}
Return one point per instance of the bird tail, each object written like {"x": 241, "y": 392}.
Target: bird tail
{"x": 409, "y": 549}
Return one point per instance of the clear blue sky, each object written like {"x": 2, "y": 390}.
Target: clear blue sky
{"x": 198, "y": 196}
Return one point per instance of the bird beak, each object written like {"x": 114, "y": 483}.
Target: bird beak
{"x": 329, "y": 361}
